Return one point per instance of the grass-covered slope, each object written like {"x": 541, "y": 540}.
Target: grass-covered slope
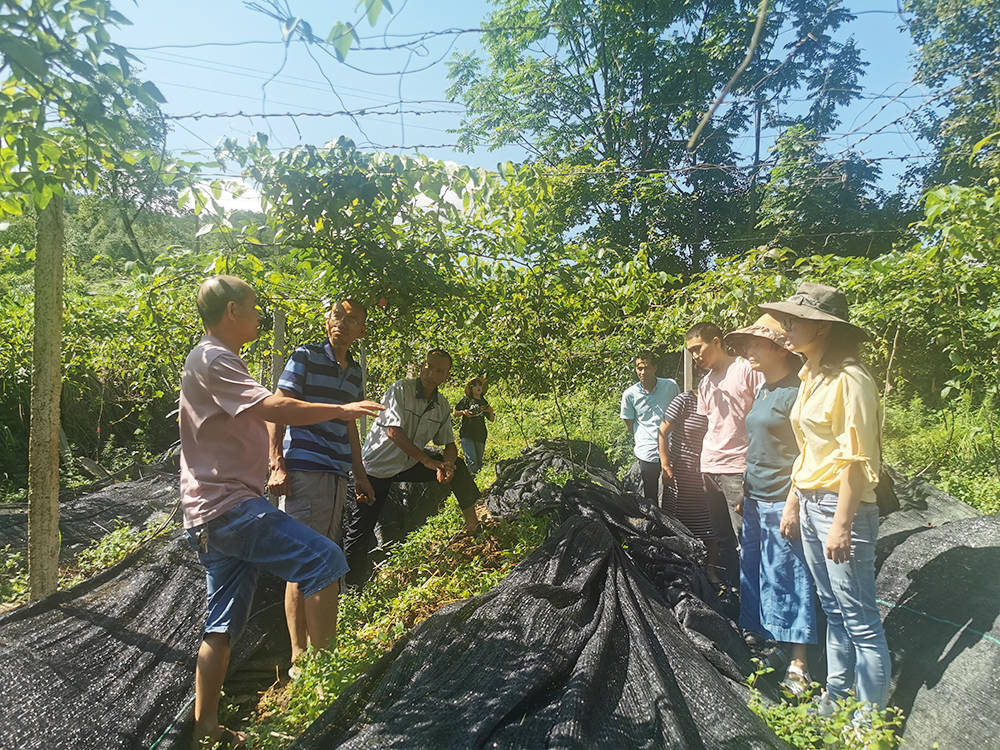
{"x": 436, "y": 565}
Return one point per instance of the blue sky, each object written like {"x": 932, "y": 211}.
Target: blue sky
{"x": 227, "y": 79}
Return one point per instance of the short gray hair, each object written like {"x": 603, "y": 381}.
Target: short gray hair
{"x": 215, "y": 294}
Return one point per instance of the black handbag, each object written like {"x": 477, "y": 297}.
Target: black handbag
{"x": 885, "y": 494}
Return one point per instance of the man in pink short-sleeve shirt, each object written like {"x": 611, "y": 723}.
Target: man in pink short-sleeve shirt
{"x": 235, "y": 530}
{"x": 725, "y": 395}
{"x": 220, "y": 466}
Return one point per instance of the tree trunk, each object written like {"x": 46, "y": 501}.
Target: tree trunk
{"x": 46, "y": 388}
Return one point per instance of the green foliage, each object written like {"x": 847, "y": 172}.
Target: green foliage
{"x": 587, "y": 414}
{"x": 958, "y": 60}
{"x": 797, "y": 725}
{"x": 342, "y": 34}
{"x": 101, "y": 554}
{"x": 610, "y": 92}
{"x": 111, "y": 549}
{"x": 13, "y": 578}
{"x": 955, "y": 448}
{"x": 810, "y": 200}
{"x": 434, "y": 566}
{"x": 69, "y": 96}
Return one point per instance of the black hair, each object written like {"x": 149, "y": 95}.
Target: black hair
{"x": 843, "y": 346}
{"x": 215, "y": 294}
{"x": 440, "y": 353}
{"x": 646, "y": 354}
{"x": 705, "y": 331}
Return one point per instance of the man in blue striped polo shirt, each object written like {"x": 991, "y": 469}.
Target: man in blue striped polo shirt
{"x": 310, "y": 465}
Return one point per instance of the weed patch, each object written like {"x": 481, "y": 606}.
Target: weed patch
{"x": 800, "y": 727}
{"x": 100, "y": 555}
{"x": 957, "y": 450}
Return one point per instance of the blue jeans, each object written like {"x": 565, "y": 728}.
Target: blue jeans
{"x": 856, "y": 649}
{"x": 473, "y": 451}
{"x": 776, "y": 589}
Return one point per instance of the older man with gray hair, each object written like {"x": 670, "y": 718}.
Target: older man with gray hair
{"x": 311, "y": 465}
{"x": 234, "y": 529}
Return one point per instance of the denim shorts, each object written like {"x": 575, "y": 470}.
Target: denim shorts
{"x": 253, "y": 536}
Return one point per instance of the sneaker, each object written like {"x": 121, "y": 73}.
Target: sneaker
{"x": 753, "y": 640}
{"x": 860, "y": 726}
{"x": 294, "y": 672}
{"x": 821, "y": 706}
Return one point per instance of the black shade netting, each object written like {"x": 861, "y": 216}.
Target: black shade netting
{"x": 939, "y": 596}
{"x": 574, "y": 649}
{"x": 89, "y": 517}
{"x": 110, "y": 663}
{"x": 659, "y": 545}
{"x": 533, "y": 480}
{"x": 921, "y": 506}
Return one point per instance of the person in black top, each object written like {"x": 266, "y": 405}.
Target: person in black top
{"x": 474, "y": 410}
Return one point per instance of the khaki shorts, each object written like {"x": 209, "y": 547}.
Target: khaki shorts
{"x": 316, "y": 498}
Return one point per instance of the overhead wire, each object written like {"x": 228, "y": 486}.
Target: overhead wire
{"x": 890, "y": 99}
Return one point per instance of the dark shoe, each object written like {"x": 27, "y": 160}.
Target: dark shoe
{"x": 796, "y": 683}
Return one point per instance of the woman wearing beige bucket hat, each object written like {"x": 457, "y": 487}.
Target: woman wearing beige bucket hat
{"x": 836, "y": 422}
{"x": 777, "y": 595}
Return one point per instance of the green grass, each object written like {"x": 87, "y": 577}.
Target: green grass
{"x": 521, "y": 420}
{"x": 13, "y": 578}
{"x": 99, "y": 555}
{"x": 954, "y": 449}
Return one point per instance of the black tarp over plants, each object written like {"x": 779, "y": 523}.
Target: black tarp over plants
{"x": 110, "y": 663}
{"x": 578, "y": 647}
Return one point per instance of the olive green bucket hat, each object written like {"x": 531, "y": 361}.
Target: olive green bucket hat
{"x": 813, "y": 301}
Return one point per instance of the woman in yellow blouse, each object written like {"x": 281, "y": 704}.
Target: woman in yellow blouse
{"x": 832, "y": 502}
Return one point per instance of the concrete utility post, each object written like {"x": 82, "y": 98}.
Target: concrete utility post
{"x": 363, "y": 361}
{"x": 277, "y": 347}
{"x": 688, "y": 371}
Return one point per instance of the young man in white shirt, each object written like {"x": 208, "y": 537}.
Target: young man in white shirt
{"x": 642, "y": 410}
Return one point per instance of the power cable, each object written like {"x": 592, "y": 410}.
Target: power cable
{"x": 364, "y": 112}
{"x": 316, "y": 85}
{"x": 257, "y": 74}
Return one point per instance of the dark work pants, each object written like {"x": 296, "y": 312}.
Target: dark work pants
{"x": 365, "y": 516}
{"x": 730, "y": 486}
{"x": 722, "y": 492}
{"x": 650, "y": 472}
